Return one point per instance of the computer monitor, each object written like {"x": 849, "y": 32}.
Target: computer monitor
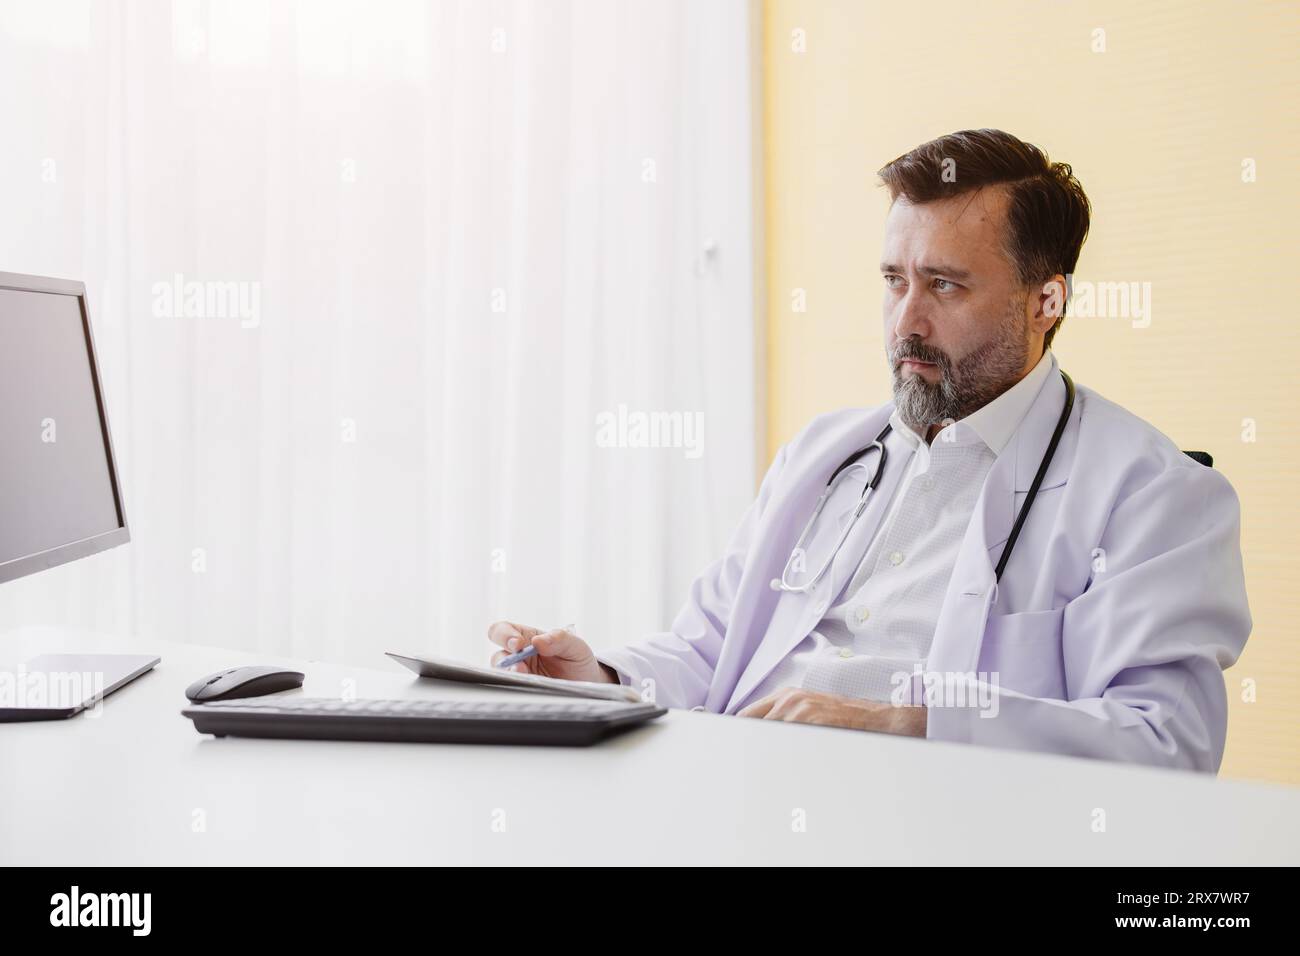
{"x": 60, "y": 498}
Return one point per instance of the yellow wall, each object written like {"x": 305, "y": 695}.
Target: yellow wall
{"x": 1156, "y": 127}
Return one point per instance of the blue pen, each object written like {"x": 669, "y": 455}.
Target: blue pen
{"x": 512, "y": 659}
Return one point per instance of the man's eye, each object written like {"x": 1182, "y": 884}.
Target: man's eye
{"x": 943, "y": 285}
{"x": 889, "y": 280}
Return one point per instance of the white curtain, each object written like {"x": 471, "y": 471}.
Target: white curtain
{"x": 420, "y": 250}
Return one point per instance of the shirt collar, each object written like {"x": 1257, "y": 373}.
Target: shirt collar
{"x": 996, "y": 422}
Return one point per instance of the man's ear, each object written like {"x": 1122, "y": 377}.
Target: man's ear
{"x": 1045, "y": 304}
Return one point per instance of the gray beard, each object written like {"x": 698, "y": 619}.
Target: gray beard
{"x": 975, "y": 381}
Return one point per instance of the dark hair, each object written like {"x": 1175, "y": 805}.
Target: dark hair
{"x": 1048, "y": 213}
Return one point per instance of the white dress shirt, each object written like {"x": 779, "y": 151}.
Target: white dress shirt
{"x": 884, "y": 619}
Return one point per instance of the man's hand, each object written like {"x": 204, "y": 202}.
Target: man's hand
{"x": 559, "y": 653}
{"x": 809, "y": 707}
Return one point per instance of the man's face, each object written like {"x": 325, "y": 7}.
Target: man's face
{"x": 957, "y": 332}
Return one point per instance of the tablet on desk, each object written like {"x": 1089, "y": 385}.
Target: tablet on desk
{"x": 441, "y": 669}
{"x": 58, "y": 686}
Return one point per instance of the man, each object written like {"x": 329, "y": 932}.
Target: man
{"x": 1123, "y": 598}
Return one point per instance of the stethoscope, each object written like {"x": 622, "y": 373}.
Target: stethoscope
{"x": 853, "y": 462}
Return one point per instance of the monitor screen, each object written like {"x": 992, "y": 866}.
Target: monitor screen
{"x": 59, "y": 497}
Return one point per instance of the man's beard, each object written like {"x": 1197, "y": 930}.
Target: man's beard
{"x": 971, "y": 384}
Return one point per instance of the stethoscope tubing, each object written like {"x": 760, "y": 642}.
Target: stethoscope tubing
{"x": 878, "y": 443}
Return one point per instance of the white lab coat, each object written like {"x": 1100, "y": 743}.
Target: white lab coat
{"x": 1107, "y": 636}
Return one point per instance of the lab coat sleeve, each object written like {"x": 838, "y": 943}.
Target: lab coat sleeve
{"x": 1145, "y": 645}
{"x": 676, "y": 667}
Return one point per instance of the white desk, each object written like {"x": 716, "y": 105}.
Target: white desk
{"x": 124, "y": 788}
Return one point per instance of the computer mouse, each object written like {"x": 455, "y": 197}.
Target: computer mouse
{"x": 243, "y": 682}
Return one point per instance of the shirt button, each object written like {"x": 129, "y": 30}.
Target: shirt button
{"x": 845, "y": 653}
{"x": 896, "y": 558}
{"x": 863, "y": 614}
{"x": 927, "y": 482}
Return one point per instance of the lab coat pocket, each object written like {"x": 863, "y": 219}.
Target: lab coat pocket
{"x": 1024, "y": 652}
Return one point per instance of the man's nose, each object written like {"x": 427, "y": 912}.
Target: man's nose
{"x": 909, "y": 315}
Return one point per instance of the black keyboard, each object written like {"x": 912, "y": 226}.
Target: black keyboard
{"x": 427, "y": 721}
